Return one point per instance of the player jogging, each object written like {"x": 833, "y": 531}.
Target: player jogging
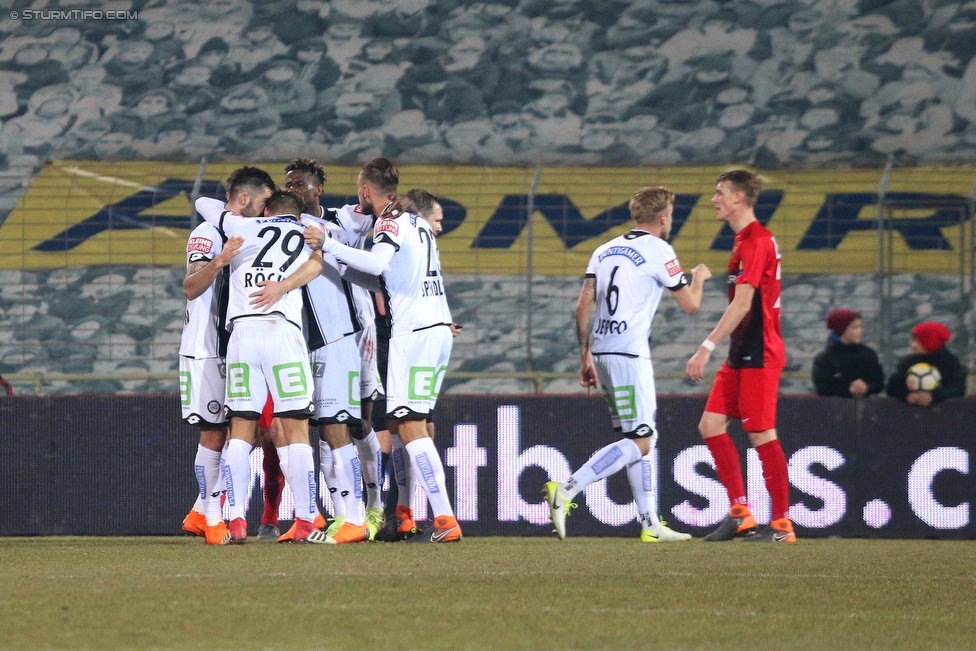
{"x": 625, "y": 279}
{"x": 747, "y": 385}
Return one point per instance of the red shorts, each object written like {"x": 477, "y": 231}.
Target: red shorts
{"x": 267, "y": 414}
{"x": 748, "y": 394}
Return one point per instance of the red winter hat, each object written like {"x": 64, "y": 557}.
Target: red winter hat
{"x": 931, "y": 335}
{"x": 839, "y": 320}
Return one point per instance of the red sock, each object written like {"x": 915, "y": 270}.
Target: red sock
{"x": 728, "y": 466}
{"x": 274, "y": 484}
{"x": 776, "y": 475}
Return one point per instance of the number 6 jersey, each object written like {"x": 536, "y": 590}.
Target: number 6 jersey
{"x": 631, "y": 272}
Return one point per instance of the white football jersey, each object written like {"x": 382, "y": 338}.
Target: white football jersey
{"x": 357, "y": 226}
{"x": 413, "y": 282}
{"x": 274, "y": 248}
{"x": 330, "y": 313}
{"x": 631, "y": 273}
{"x": 205, "y": 313}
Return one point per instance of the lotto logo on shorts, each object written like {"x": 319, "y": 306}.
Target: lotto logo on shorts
{"x": 387, "y": 226}
{"x": 199, "y": 245}
{"x": 425, "y": 382}
{"x": 184, "y": 388}
{"x": 238, "y": 380}
{"x": 673, "y": 267}
{"x": 291, "y": 379}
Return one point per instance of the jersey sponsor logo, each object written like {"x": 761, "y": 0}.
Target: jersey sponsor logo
{"x": 607, "y": 459}
{"x": 193, "y": 419}
{"x": 387, "y": 226}
{"x": 631, "y": 254}
{"x": 201, "y": 244}
{"x": 358, "y": 209}
{"x": 196, "y": 256}
{"x": 673, "y": 267}
{"x": 427, "y": 471}
{"x": 401, "y": 412}
{"x": 643, "y": 430}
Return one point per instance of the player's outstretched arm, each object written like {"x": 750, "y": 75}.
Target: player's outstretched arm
{"x": 734, "y": 313}
{"x": 584, "y": 312}
{"x": 200, "y": 275}
{"x": 357, "y": 277}
{"x": 272, "y": 290}
{"x": 373, "y": 262}
{"x": 210, "y": 209}
{"x": 689, "y": 297}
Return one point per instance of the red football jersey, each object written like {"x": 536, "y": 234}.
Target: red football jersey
{"x": 757, "y": 341}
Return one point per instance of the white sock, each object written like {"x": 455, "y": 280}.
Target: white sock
{"x": 349, "y": 481}
{"x": 369, "y": 457}
{"x": 301, "y": 465}
{"x": 238, "y": 476}
{"x": 327, "y": 464}
{"x": 402, "y": 471}
{"x": 603, "y": 463}
{"x": 283, "y": 460}
{"x": 641, "y": 478}
{"x": 429, "y": 470}
{"x": 207, "y": 469}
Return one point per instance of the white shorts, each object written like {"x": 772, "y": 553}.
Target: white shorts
{"x": 335, "y": 376}
{"x": 418, "y": 362}
{"x": 628, "y": 385}
{"x": 370, "y": 385}
{"x": 268, "y": 354}
{"x": 202, "y": 386}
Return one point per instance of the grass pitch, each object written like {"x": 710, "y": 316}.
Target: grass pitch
{"x": 487, "y": 593}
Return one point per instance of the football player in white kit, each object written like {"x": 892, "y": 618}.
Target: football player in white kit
{"x": 624, "y": 280}
{"x": 405, "y": 256}
{"x": 332, "y": 326}
{"x": 202, "y": 371}
{"x": 267, "y": 352}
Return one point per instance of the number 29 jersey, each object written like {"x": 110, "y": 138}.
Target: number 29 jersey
{"x": 631, "y": 272}
{"x": 413, "y": 282}
{"x": 274, "y": 248}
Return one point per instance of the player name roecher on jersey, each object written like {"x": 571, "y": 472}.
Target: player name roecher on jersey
{"x": 413, "y": 282}
{"x": 631, "y": 272}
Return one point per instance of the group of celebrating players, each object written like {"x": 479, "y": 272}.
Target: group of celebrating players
{"x": 282, "y": 330}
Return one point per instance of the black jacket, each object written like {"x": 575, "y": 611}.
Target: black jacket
{"x": 837, "y": 365}
{"x": 953, "y": 375}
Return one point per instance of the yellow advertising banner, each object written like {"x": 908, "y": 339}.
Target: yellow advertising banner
{"x": 99, "y": 213}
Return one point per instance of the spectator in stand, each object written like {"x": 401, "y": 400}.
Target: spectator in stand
{"x": 928, "y": 347}
{"x": 846, "y": 367}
